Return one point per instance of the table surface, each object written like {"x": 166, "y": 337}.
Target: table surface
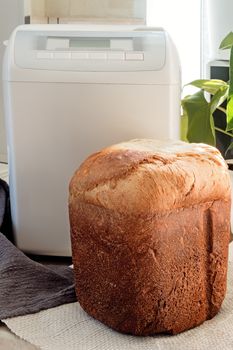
{"x": 9, "y": 341}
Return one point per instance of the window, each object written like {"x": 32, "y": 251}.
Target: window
{"x": 182, "y": 20}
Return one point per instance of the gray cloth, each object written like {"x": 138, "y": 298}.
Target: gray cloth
{"x": 27, "y": 287}
{"x": 5, "y": 212}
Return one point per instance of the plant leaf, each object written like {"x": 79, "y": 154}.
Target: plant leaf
{"x": 231, "y": 74}
{"x": 200, "y": 119}
{"x": 230, "y": 114}
{"x": 227, "y": 42}
{"x": 210, "y": 86}
{"x": 218, "y": 98}
{"x": 183, "y": 127}
{"x": 230, "y": 95}
{"x": 229, "y": 148}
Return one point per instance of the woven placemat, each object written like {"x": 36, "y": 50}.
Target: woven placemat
{"x": 68, "y": 327}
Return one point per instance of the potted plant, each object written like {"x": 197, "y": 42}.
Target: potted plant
{"x": 198, "y": 123}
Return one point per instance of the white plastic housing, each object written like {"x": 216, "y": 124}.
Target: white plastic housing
{"x": 59, "y": 110}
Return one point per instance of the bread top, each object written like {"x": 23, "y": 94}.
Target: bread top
{"x": 143, "y": 175}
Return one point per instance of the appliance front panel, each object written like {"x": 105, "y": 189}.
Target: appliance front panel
{"x": 52, "y": 128}
{"x": 90, "y": 51}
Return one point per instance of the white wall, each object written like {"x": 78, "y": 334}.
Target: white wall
{"x": 11, "y": 14}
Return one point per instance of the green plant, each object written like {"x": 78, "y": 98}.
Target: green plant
{"x": 197, "y": 122}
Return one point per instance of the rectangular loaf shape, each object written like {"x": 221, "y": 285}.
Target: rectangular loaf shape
{"x": 150, "y": 236}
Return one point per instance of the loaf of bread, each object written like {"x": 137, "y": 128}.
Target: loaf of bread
{"x": 150, "y": 227}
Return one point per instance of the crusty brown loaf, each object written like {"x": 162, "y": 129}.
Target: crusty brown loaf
{"x": 150, "y": 233}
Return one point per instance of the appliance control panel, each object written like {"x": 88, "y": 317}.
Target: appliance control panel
{"x": 90, "y": 51}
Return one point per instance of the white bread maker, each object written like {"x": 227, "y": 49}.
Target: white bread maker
{"x": 70, "y": 91}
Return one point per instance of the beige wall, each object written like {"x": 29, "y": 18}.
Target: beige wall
{"x": 89, "y": 8}
{"x": 57, "y": 8}
{"x": 35, "y": 7}
{"x": 38, "y": 7}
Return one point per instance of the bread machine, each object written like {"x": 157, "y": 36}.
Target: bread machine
{"x": 70, "y": 91}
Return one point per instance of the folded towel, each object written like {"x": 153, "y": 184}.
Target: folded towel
{"x": 27, "y": 287}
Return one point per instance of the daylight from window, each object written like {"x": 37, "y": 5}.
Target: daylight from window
{"x": 183, "y": 22}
